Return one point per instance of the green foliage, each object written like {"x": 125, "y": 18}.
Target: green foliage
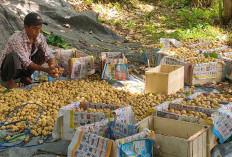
{"x": 208, "y": 32}
{"x": 199, "y": 32}
{"x": 195, "y": 16}
{"x": 214, "y": 55}
{"x": 130, "y": 24}
{"x": 150, "y": 29}
{"x": 193, "y": 23}
{"x": 6, "y": 91}
{"x": 163, "y": 34}
{"x": 206, "y": 55}
{"x": 172, "y": 24}
{"x": 117, "y": 5}
{"x": 20, "y": 137}
{"x": 176, "y": 19}
{"x": 55, "y": 40}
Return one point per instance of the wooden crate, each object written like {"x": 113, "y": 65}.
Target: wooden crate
{"x": 190, "y": 80}
{"x": 164, "y": 79}
{"x": 179, "y": 138}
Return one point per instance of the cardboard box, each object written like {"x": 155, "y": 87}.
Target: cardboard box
{"x": 207, "y": 111}
{"x": 167, "y": 105}
{"x": 228, "y": 66}
{"x": 228, "y": 97}
{"x": 160, "y": 113}
{"x": 197, "y": 73}
{"x": 164, "y": 79}
{"x": 192, "y": 80}
{"x": 179, "y": 138}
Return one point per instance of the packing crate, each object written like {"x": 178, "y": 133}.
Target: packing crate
{"x": 197, "y": 73}
{"x": 164, "y": 79}
{"x": 179, "y": 138}
{"x": 160, "y": 113}
{"x": 192, "y": 80}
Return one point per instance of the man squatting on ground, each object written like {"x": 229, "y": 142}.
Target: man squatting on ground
{"x": 25, "y": 52}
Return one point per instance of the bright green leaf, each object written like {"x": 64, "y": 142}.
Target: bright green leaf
{"x": 214, "y": 55}
{"x": 7, "y": 90}
{"x": 18, "y": 138}
{"x": 188, "y": 94}
{"x": 45, "y": 32}
{"x": 206, "y": 55}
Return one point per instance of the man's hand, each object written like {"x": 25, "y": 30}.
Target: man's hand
{"x": 55, "y": 72}
{"x": 51, "y": 72}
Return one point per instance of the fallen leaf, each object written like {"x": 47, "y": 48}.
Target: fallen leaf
{"x": 105, "y": 48}
{"x": 82, "y": 42}
{"x": 117, "y": 42}
{"x": 66, "y": 25}
{"x": 62, "y": 31}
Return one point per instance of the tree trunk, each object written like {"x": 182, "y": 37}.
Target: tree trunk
{"x": 227, "y": 10}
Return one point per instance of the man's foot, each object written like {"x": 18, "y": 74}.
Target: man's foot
{"x": 26, "y": 80}
{"x": 11, "y": 84}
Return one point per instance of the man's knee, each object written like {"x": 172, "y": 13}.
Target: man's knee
{"x": 10, "y": 66}
{"x": 11, "y": 57}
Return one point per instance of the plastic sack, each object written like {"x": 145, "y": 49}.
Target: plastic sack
{"x": 81, "y": 67}
{"x": 63, "y": 56}
{"x": 85, "y": 143}
{"x": 223, "y": 123}
{"x": 40, "y": 76}
{"x": 115, "y": 71}
{"x": 228, "y": 68}
{"x": 91, "y": 137}
{"x": 131, "y": 140}
{"x": 114, "y": 66}
{"x": 119, "y": 130}
{"x": 69, "y": 119}
{"x": 125, "y": 115}
{"x": 137, "y": 148}
{"x": 169, "y": 43}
